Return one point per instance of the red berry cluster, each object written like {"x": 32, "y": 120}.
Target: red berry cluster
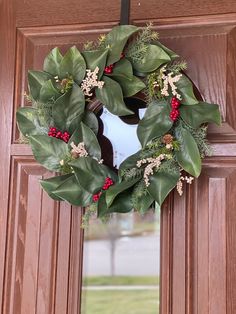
{"x": 96, "y": 196}
{"x": 58, "y": 134}
{"x": 109, "y": 69}
{"x": 108, "y": 182}
{"x": 175, "y": 103}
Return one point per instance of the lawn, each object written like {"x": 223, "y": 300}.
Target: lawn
{"x": 121, "y": 281}
{"x": 133, "y": 301}
{"x": 120, "y": 302}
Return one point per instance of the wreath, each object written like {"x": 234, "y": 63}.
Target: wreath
{"x": 61, "y": 127}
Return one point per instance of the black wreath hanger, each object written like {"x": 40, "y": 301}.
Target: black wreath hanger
{"x": 124, "y": 12}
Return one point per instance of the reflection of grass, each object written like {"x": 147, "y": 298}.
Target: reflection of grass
{"x": 120, "y": 302}
{"x": 99, "y": 231}
{"x": 120, "y": 280}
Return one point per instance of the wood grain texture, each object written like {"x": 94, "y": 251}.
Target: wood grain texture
{"x": 43, "y": 269}
{"x": 7, "y": 48}
{"x": 40, "y": 271}
{"x": 37, "y": 13}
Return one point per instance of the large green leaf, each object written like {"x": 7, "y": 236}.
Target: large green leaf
{"x": 153, "y": 59}
{"x": 155, "y": 122}
{"x": 68, "y": 110}
{"x": 52, "y": 62}
{"x": 123, "y": 70}
{"x": 161, "y": 183}
{"x": 48, "y": 151}
{"x": 130, "y": 162}
{"x": 96, "y": 58}
{"x": 27, "y": 121}
{"x": 185, "y": 88}
{"x": 171, "y": 53}
{"x": 188, "y": 156}
{"x": 36, "y": 80}
{"x": 122, "y": 204}
{"x": 115, "y": 190}
{"x": 201, "y": 113}
{"x": 117, "y": 39}
{"x": 48, "y": 92}
{"x": 73, "y": 64}
{"x": 112, "y": 98}
{"x": 84, "y": 134}
{"x": 72, "y": 192}
{"x": 89, "y": 173}
{"x": 90, "y": 119}
{"x": 51, "y": 184}
{"x": 130, "y": 87}
{"x": 144, "y": 203}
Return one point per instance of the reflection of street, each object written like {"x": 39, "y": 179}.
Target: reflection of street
{"x": 134, "y": 256}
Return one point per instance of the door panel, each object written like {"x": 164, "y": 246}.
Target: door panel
{"x": 41, "y": 241}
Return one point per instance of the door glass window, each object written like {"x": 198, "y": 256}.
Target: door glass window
{"x": 121, "y": 265}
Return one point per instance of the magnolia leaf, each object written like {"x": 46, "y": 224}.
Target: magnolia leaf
{"x": 51, "y": 184}
{"x": 188, "y": 156}
{"x": 48, "y": 151}
{"x": 201, "y": 113}
{"x": 84, "y": 134}
{"x": 118, "y": 188}
{"x": 130, "y": 87}
{"x": 73, "y": 64}
{"x": 153, "y": 59}
{"x": 144, "y": 203}
{"x": 48, "y": 92}
{"x": 36, "y": 80}
{"x": 68, "y": 110}
{"x": 90, "y": 119}
{"x": 171, "y": 53}
{"x": 52, "y": 62}
{"x": 122, "y": 204}
{"x": 155, "y": 122}
{"x": 96, "y": 58}
{"x": 122, "y": 70}
{"x": 161, "y": 183}
{"x": 89, "y": 173}
{"x": 112, "y": 98}
{"x": 26, "y": 119}
{"x": 185, "y": 88}
{"x": 117, "y": 39}
{"x": 72, "y": 192}
{"x": 130, "y": 162}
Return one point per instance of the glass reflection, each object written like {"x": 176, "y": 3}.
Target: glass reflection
{"x": 121, "y": 265}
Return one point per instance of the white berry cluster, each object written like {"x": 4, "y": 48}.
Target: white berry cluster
{"x": 179, "y": 185}
{"x": 79, "y": 150}
{"x": 91, "y": 81}
{"x": 170, "y": 80}
{"x": 153, "y": 163}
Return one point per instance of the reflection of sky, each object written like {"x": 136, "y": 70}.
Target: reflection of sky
{"x": 122, "y": 136}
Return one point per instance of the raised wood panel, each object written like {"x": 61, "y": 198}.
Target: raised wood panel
{"x": 44, "y": 246}
{"x": 203, "y": 242}
{"x": 209, "y": 52}
{"x": 35, "y": 13}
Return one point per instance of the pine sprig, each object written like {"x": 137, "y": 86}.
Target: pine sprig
{"x": 137, "y": 48}
{"x": 178, "y": 66}
{"x": 130, "y": 174}
{"x": 139, "y": 191}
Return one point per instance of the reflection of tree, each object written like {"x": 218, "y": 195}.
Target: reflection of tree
{"x": 114, "y": 233}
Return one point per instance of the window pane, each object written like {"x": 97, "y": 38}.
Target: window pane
{"x": 121, "y": 265}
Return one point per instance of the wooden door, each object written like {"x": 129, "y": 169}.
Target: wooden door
{"x": 41, "y": 241}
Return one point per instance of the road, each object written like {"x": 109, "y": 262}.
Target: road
{"x": 134, "y": 256}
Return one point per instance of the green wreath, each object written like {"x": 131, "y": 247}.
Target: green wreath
{"x": 62, "y": 129}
